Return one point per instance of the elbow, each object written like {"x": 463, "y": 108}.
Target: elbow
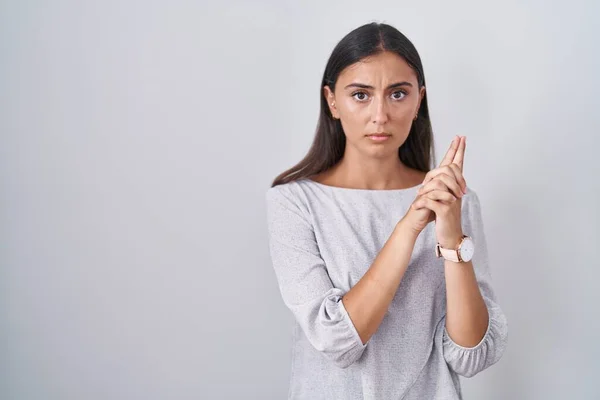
{"x": 469, "y": 370}
{"x": 341, "y": 352}
{"x": 330, "y": 330}
{"x": 344, "y": 360}
{"x": 334, "y": 335}
{"x": 472, "y": 370}
{"x": 468, "y": 373}
{"x": 468, "y": 362}
{"x": 344, "y": 352}
{"x": 343, "y": 364}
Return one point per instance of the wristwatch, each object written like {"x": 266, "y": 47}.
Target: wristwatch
{"x": 464, "y": 252}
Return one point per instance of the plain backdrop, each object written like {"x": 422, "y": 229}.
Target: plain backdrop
{"x": 138, "y": 139}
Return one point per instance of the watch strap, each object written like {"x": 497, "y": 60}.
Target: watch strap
{"x": 450, "y": 254}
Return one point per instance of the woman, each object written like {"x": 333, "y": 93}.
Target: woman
{"x": 386, "y": 304}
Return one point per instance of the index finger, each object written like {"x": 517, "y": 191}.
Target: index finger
{"x": 451, "y": 153}
{"x": 459, "y": 157}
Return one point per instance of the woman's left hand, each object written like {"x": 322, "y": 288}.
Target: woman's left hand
{"x": 449, "y": 177}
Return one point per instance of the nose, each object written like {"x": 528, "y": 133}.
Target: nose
{"x": 380, "y": 113}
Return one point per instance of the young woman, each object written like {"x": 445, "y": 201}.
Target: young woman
{"x": 387, "y": 305}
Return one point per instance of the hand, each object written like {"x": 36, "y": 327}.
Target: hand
{"x": 441, "y": 193}
{"x": 441, "y": 185}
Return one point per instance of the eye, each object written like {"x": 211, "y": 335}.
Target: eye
{"x": 362, "y": 96}
{"x": 359, "y": 93}
{"x": 399, "y": 98}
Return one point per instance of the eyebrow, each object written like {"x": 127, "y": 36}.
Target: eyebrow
{"x": 392, "y": 86}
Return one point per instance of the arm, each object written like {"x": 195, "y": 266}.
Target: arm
{"x": 466, "y": 313}
{"x": 368, "y": 301}
{"x": 336, "y": 323}
{"x": 475, "y": 332}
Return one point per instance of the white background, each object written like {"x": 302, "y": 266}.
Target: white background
{"x": 137, "y": 140}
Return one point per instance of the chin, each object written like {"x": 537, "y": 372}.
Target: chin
{"x": 382, "y": 150}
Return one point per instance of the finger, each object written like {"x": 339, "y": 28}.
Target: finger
{"x": 455, "y": 173}
{"x": 434, "y": 172}
{"x": 441, "y": 195}
{"x": 447, "y": 169}
{"x": 451, "y": 183}
{"x": 451, "y": 153}
{"x": 433, "y": 184}
{"x": 459, "y": 156}
{"x": 436, "y": 195}
{"x": 459, "y": 177}
{"x": 432, "y": 205}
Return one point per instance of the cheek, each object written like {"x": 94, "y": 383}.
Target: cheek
{"x": 404, "y": 112}
{"x": 401, "y": 110}
{"x": 352, "y": 109}
{"x": 353, "y": 114}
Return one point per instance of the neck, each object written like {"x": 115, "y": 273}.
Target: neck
{"x": 360, "y": 172}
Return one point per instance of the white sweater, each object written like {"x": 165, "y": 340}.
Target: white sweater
{"x": 322, "y": 240}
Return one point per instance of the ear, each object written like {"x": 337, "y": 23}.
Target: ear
{"x": 330, "y": 99}
{"x": 421, "y": 95}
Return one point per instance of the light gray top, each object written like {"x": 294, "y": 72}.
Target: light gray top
{"x": 322, "y": 239}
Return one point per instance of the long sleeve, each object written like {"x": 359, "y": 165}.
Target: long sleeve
{"x": 304, "y": 282}
{"x": 470, "y": 361}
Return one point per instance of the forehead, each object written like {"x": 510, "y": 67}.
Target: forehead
{"x": 379, "y": 69}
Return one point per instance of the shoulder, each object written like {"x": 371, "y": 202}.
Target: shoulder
{"x": 286, "y": 211}
{"x": 289, "y": 196}
{"x": 281, "y": 192}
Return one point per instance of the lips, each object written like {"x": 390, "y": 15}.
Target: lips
{"x": 379, "y": 137}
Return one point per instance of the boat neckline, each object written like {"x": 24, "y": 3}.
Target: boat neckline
{"x": 356, "y": 190}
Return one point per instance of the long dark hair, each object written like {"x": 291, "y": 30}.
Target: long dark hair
{"x": 329, "y": 142}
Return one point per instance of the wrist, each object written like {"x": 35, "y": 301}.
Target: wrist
{"x": 451, "y": 242}
{"x": 406, "y": 230}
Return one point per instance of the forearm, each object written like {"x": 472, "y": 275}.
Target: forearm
{"x": 368, "y": 301}
{"x": 466, "y": 312}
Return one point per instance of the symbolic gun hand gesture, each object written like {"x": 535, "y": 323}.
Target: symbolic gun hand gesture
{"x": 440, "y": 197}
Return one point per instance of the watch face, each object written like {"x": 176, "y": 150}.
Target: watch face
{"x": 467, "y": 249}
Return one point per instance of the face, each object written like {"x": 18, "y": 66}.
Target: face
{"x": 378, "y": 94}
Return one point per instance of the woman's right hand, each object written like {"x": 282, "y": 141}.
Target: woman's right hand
{"x": 447, "y": 188}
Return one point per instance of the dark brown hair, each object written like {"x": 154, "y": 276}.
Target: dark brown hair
{"x": 329, "y": 142}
